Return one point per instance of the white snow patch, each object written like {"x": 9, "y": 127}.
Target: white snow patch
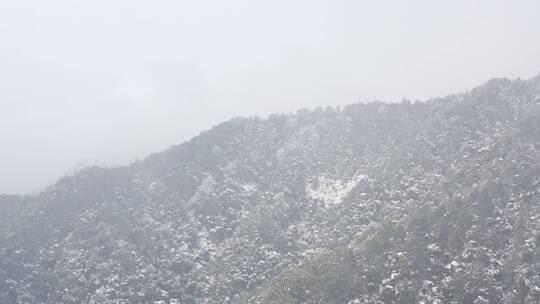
{"x": 249, "y": 188}
{"x": 152, "y": 186}
{"x": 452, "y": 265}
{"x": 331, "y": 191}
{"x": 207, "y": 185}
{"x": 484, "y": 148}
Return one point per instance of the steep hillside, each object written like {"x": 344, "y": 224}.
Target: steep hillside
{"x": 425, "y": 202}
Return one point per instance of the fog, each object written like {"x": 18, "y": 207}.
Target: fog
{"x": 105, "y": 82}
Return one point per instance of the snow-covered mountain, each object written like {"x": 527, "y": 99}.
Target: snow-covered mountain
{"x": 424, "y": 202}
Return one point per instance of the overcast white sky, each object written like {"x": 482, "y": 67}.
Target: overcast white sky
{"x": 111, "y": 80}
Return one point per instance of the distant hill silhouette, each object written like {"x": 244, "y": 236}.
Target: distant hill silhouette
{"x": 416, "y": 202}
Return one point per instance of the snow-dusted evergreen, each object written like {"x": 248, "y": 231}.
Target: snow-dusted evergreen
{"x": 424, "y": 202}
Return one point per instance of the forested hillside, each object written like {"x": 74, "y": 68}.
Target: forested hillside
{"x": 413, "y": 202}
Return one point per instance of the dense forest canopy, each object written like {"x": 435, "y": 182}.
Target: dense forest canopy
{"x": 413, "y": 202}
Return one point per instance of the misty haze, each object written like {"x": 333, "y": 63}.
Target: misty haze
{"x": 250, "y": 152}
